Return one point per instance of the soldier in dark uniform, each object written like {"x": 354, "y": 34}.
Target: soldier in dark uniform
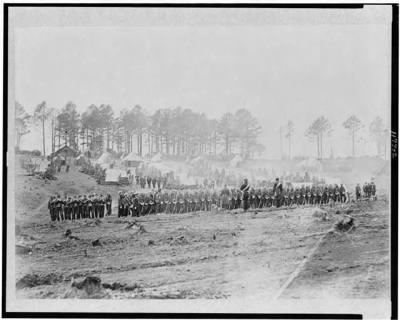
{"x": 314, "y": 195}
{"x": 135, "y": 201}
{"x": 302, "y": 195}
{"x": 225, "y": 194}
{"x": 185, "y": 202}
{"x": 308, "y": 195}
{"x": 179, "y": 203}
{"x": 174, "y": 202}
{"x": 207, "y": 197}
{"x": 232, "y": 197}
{"x": 264, "y": 195}
{"x": 278, "y": 188}
{"x": 342, "y": 191}
{"x": 365, "y": 189}
{"x": 157, "y": 200}
{"x": 252, "y": 198}
{"x": 51, "y": 208}
{"x": 95, "y": 202}
{"x": 80, "y": 206}
{"x": 67, "y": 208}
{"x": 90, "y": 211}
{"x": 120, "y": 204}
{"x": 336, "y": 194}
{"x": 197, "y": 201}
{"x": 109, "y": 204}
{"x": 150, "y": 199}
{"x": 329, "y": 194}
{"x": 59, "y": 209}
{"x": 238, "y": 199}
{"x": 139, "y": 204}
{"x": 291, "y": 197}
{"x": 245, "y": 189}
{"x": 319, "y": 192}
{"x": 127, "y": 204}
{"x": 162, "y": 203}
{"x": 102, "y": 203}
{"x": 202, "y": 200}
{"x": 149, "y": 182}
{"x": 167, "y": 202}
{"x": 297, "y": 195}
{"x": 147, "y": 204}
{"x": 373, "y": 190}
{"x": 358, "y": 192}
{"x": 286, "y": 197}
{"x": 74, "y": 208}
{"x": 85, "y": 210}
{"x": 325, "y": 195}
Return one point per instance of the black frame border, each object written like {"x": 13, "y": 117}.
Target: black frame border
{"x": 394, "y": 165}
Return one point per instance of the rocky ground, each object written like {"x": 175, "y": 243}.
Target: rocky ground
{"x": 289, "y": 253}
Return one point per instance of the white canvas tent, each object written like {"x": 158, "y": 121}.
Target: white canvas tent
{"x": 133, "y": 160}
{"x": 105, "y": 158}
{"x": 112, "y": 175}
{"x": 41, "y": 165}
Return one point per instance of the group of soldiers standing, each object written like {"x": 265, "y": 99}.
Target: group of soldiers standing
{"x": 163, "y": 201}
{"x": 369, "y": 190}
{"x": 151, "y": 182}
{"x": 90, "y": 206}
{"x": 246, "y": 197}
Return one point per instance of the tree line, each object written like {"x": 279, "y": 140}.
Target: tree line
{"x": 171, "y": 131}
{"x": 321, "y": 127}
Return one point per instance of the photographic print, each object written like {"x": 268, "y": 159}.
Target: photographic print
{"x": 230, "y": 159}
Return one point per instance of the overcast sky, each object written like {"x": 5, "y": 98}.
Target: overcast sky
{"x": 279, "y": 72}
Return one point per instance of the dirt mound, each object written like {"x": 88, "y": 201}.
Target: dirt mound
{"x": 121, "y": 287}
{"x": 91, "y": 285}
{"x": 320, "y": 213}
{"x": 346, "y": 224}
{"x": 93, "y": 223}
{"x": 19, "y": 249}
{"x": 33, "y": 280}
{"x": 181, "y": 240}
{"x": 96, "y": 243}
{"x": 135, "y": 226}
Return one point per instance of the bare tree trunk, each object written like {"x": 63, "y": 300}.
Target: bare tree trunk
{"x": 353, "y": 139}
{"x": 322, "y": 155}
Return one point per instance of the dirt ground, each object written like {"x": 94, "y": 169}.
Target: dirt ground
{"x": 289, "y": 253}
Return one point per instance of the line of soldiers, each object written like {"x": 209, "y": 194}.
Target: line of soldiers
{"x": 144, "y": 182}
{"x": 90, "y": 206}
{"x": 139, "y": 204}
{"x": 369, "y": 190}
